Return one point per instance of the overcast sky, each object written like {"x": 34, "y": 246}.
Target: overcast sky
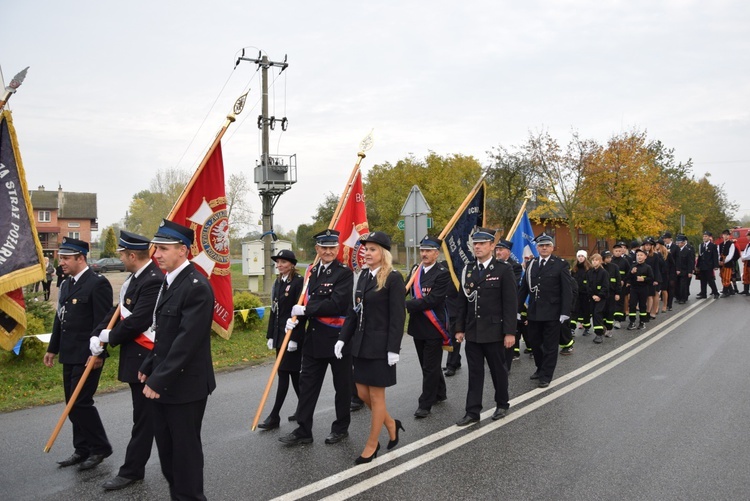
{"x": 117, "y": 91}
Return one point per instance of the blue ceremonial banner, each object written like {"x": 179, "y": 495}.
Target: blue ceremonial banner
{"x": 523, "y": 240}
{"x": 456, "y": 244}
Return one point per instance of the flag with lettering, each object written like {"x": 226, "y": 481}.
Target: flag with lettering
{"x": 456, "y": 244}
{"x": 203, "y": 207}
{"x": 524, "y": 246}
{"x": 352, "y": 223}
{"x": 21, "y": 261}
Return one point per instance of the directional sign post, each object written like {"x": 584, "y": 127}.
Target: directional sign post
{"x": 415, "y": 220}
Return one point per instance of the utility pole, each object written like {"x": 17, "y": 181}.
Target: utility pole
{"x": 274, "y": 174}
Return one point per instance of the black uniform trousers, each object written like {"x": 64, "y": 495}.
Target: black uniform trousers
{"x": 141, "y": 436}
{"x": 494, "y": 354}
{"x": 544, "y": 337}
{"x": 683, "y": 287}
{"x": 610, "y": 306}
{"x": 310, "y": 383}
{"x": 707, "y": 278}
{"x": 177, "y": 429}
{"x": 89, "y": 436}
{"x": 430, "y": 354}
{"x": 639, "y": 299}
{"x": 598, "y": 313}
{"x": 453, "y": 360}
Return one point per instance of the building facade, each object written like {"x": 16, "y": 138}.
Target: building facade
{"x": 60, "y": 214}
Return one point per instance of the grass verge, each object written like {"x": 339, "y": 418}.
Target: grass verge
{"x": 26, "y": 382}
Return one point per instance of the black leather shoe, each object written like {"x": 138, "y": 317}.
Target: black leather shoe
{"x": 700, "y": 296}
{"x": 441, "y": 399}
{"x": 365, "y": 460}
{"x": 466, "y": 420}
{"x": 93, "y": 460}
{"x": 118, "y": 483}
{"x": 293, "y": 417}
{"x": 450, "y": 371}
{"x": 535, "y": 375}
{"x": 421, "y": 413}
{"x": 336, "y": 437}
{"x": 74, "y": 458}
{"x": 294, "y": 439}
{"x": 269, "y": 424}
{"x": 499, "y": 413}
{"x": 393, "y": 443}
{"x": 356, "y": 405}
{"x": 543, "y": 384}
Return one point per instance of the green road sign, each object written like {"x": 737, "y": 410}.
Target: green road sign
{"x": 401, "y": 225}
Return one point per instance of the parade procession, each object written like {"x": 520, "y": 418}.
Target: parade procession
{"x": 559, "y": 319}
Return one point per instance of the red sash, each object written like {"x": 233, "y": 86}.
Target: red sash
{"x": 430, "y": 314}
{"x": 142, "y": 339}
{"x": 334, "y": 322}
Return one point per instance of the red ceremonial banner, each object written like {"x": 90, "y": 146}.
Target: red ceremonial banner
{"x": 204, "y": 209}
{"x": 351, "y": 224}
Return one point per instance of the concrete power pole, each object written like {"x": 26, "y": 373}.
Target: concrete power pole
{"x": 274, "y": 174}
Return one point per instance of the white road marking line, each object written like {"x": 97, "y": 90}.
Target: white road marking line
{"x": 371, "y": 482}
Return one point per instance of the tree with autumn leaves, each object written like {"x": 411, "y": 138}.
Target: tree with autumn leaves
{"x": 628, "y": 188}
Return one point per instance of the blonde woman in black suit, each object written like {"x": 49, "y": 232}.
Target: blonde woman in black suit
{"x": 374, "y": 328}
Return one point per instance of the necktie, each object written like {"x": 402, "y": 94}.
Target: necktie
{"x": 542, "y": 263}
{"x": 481, "y": 270}
{"x": 72, "y": 281}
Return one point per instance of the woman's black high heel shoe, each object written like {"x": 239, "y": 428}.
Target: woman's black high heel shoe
{"x": 363, "y": 460}
{"x": 393, "y": 443}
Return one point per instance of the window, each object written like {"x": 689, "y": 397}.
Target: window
{"x": 583, "y": 239}
{"x": 74, "y": 234}
{"x": 74, "y": 225}
{"x": 45, "y": 216}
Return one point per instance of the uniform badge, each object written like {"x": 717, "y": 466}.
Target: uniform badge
{"x": 128, "y": 301}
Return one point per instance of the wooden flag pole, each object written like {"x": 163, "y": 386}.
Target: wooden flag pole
{"x": 237, "y": 109}
{"x": 452, "y": 222}
{"x": 519, "y": 215}
{"x": 364, "y": 146}
{"x": 79, "y": 387}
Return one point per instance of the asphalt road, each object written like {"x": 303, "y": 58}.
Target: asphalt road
{"x": 654, "y": 414}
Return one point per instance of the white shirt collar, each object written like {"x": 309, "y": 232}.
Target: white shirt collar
{"x": 486, "y": 263}
{"x": 138, "y": 273}
{"x": 173, "y": 274}
{"x": 80, "y": 273}
{"x": 428, "y": 268}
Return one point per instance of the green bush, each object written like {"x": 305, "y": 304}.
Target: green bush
{"x": 41, "y": 310}
{"x": 245, "y": 301}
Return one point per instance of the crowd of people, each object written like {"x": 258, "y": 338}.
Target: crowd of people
{"x": 325, "y": 319}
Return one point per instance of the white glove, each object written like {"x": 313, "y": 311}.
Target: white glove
{"x": 518, "y": 316}
{"x": 270, "y": 344}
{"x": 392, "y": 358}
{"x": 564, "y": 318}
{"x": 298, "y": 310}
{"x": 104, "y": 335}
{"x": 291, "y": 324}
{"x": 95, "y": 346}
{"x": 292, "y": 346}
{"x": 337, "y": 349}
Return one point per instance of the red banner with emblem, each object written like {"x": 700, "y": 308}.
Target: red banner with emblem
{"x": 352, "y": 223}
{"x": 203, "y": 207}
